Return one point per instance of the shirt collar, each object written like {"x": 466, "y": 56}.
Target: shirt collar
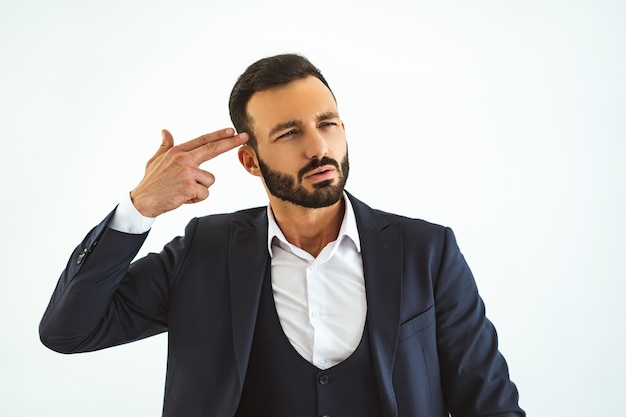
{"x": 348, "y": 229}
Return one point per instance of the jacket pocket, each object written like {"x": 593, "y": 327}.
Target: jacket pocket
{"x": 417, "y": 323}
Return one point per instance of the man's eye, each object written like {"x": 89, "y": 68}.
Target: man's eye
{"x": 327, "y": 124}
{"x": 286, "y": 134}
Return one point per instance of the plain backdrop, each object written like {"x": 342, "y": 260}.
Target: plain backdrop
{"x": 502, "y": 119}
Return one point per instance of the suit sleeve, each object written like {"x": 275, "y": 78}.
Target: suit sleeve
{"x": 474, "y": 374}
{"x": 102, "y": 300}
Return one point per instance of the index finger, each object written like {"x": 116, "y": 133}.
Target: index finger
{"x": 206, "y": 147}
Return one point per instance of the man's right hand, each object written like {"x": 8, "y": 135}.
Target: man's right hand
{"x": 173, "y": 176}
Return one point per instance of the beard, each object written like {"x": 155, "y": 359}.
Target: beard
{"x": 290, "y": 189}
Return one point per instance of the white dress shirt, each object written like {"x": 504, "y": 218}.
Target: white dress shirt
{"x": 320, "y": 301}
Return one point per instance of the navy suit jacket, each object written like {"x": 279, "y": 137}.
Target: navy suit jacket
{"x": 434, "y": 352}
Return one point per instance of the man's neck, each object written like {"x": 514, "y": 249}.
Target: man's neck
{"x": 309, "y": 229}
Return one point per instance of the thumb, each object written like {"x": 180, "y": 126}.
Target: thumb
{"x": 167, "y": 140}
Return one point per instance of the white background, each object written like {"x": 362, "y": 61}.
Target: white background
{"x": 502, "y": 119}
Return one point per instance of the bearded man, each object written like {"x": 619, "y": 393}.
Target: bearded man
{"x": 315, "y": 305}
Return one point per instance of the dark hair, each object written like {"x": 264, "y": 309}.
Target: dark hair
{"x": 264, "y": 74}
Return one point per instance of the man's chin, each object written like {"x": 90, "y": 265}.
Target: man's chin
{"x": 323, "y": 184}
{"x": 322, "y": 196}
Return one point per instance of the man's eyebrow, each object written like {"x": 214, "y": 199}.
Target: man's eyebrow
{"x": 327, "y": 115}
{"x": 283, "y": 126}
{"x": 295, "y": 123}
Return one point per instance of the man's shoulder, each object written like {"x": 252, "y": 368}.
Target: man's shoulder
{"x": 418, "y": 236}
{"x": 416, "y": 230}
{"x": 244, "y": 216}
{"x": 385, "y": 218}
{"x": 409, "y": 221}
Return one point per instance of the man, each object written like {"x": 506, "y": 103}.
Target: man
{"x": 315, "y": 305}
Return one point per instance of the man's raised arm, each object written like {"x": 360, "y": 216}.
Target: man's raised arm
{"x": 96, "y": 302}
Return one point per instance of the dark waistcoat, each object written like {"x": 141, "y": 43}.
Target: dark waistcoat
{"x": 281, "y": 383}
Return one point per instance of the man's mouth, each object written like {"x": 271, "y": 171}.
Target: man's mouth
{"x": 321, "y": 173}
{"x": 318, "y": 168}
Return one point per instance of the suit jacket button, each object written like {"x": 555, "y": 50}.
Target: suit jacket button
{"x": 81, "y": 257}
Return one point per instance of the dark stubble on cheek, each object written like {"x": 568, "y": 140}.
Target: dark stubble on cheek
{"x": 284, "y": 186}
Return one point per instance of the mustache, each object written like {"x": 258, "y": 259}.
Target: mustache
{"x": 316, "y": 163}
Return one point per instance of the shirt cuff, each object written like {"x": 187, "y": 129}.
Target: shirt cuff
{"x": 128, "y": 219}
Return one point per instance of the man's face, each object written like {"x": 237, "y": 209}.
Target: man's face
{"x": 302, "y": 150}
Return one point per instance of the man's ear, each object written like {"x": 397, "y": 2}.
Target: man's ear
{"x": 247, "y": 157}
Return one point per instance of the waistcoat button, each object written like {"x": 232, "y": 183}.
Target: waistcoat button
{"x": 324, "y": 380}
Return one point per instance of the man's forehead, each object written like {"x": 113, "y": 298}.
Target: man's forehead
{"x": 299, "y": 99}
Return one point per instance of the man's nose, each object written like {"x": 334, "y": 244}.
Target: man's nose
{"x": 316, "y": 145}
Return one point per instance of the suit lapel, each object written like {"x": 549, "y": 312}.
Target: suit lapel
{"x": 248, "y": 261}
{"x": 382, "y": 262}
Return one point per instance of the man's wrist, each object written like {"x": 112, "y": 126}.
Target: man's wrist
{"x": 128, "y": 219}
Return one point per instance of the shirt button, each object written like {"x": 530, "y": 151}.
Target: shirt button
{"x": 321, "y": 362}
{"x": 324, "y": 379}
{"x": 315, "y": 314}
